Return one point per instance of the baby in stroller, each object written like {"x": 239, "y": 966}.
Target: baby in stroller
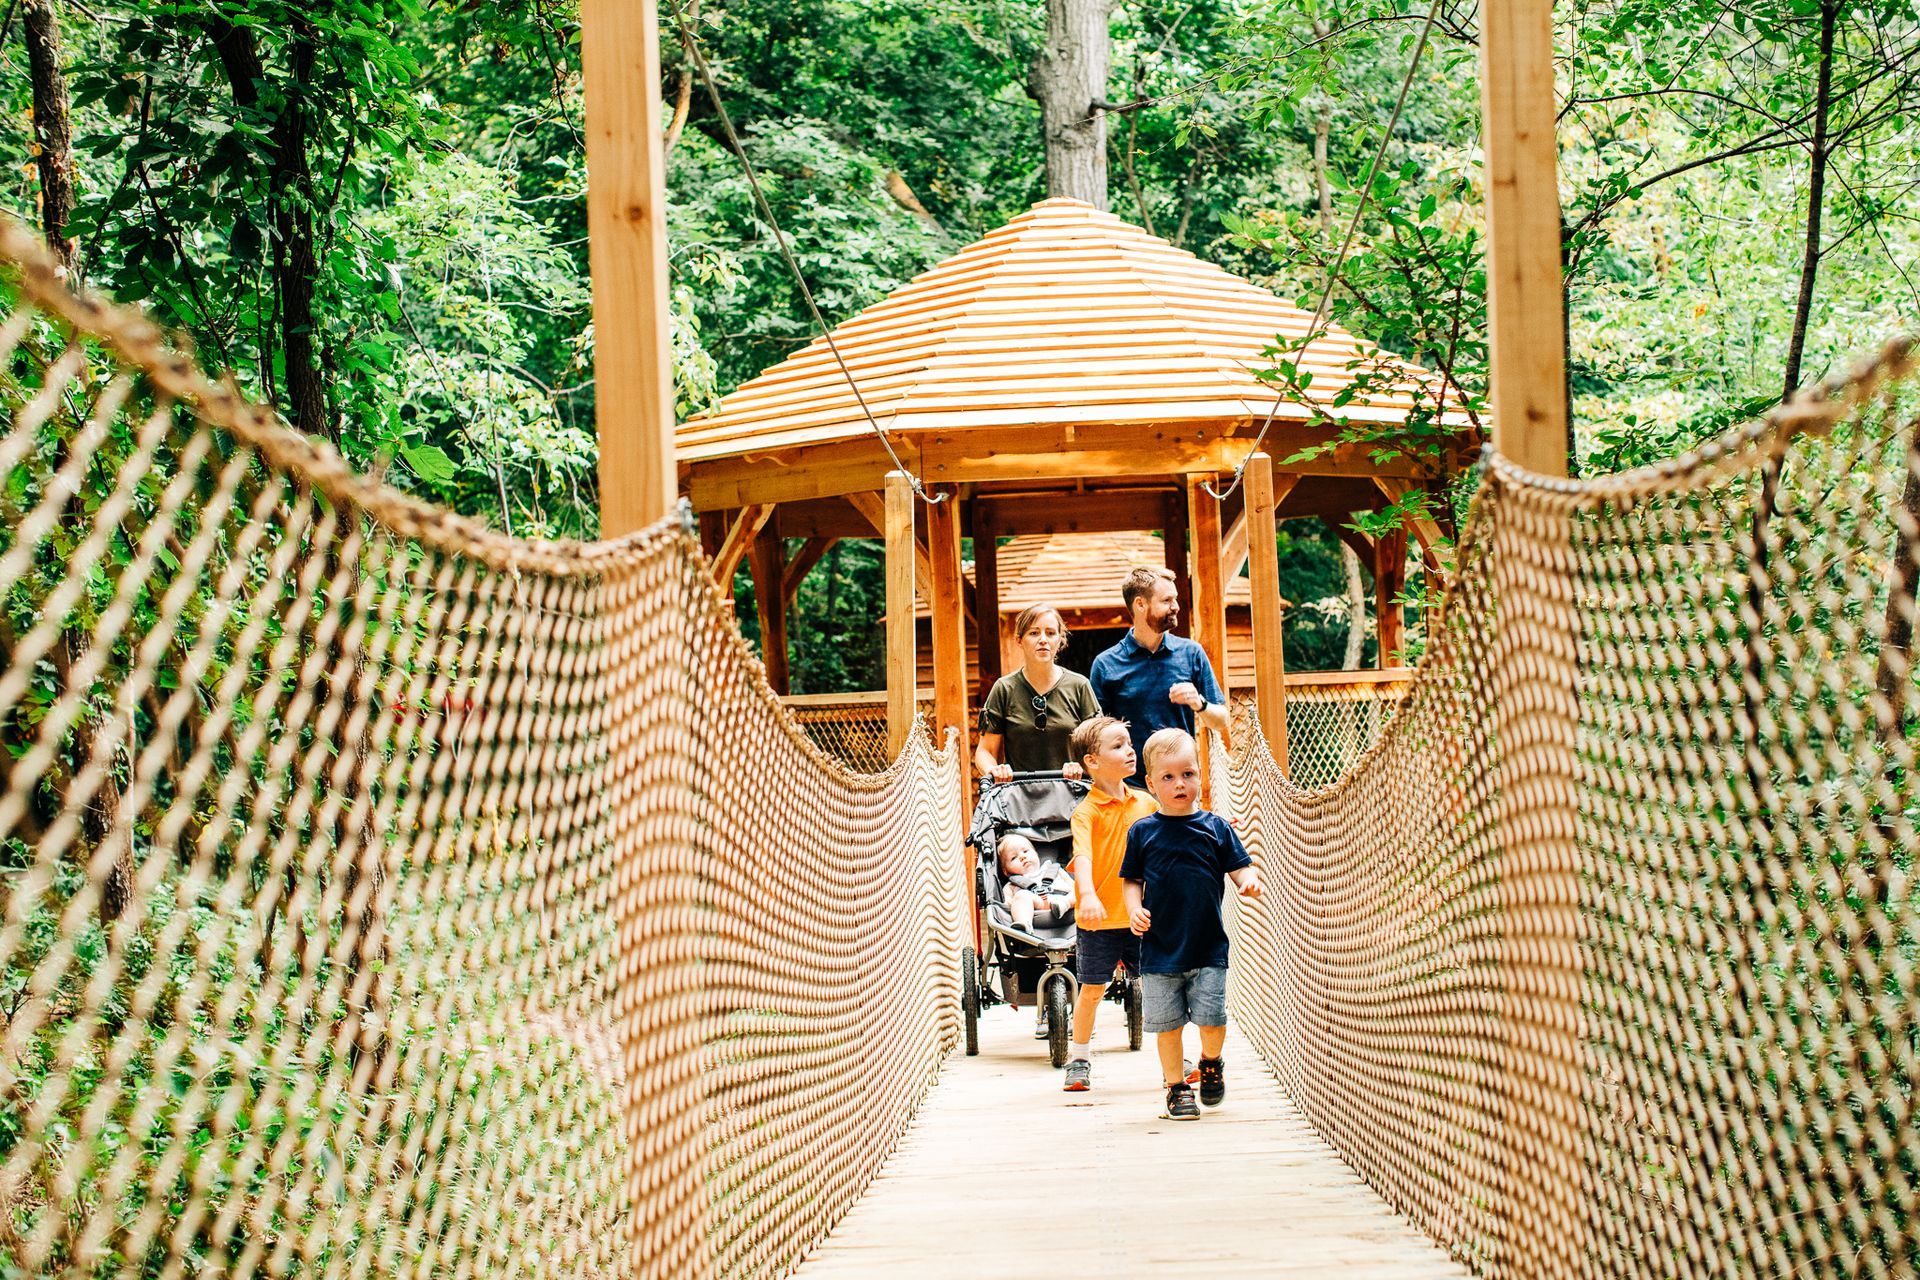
{"x": 1036, "y": 892}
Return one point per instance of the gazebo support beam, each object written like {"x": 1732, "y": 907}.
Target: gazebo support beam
{"x": 767, "y": 561}
{"x": 873, "y": 507}
{"x": 949, "y": 629}
{"x": 809, "y": 554}
{"x": 1233, "y": 547}
{"x": 1173, "y": 530}
{"x": 986, "y": 592}
{"x": 903, "y": 665}
{"x": 1425, "y": 528}
{"x": 1208, "y": 621}
{"x": 809, "y": 472}
{"x": 1389, "y": 583}
{"x": 1269, "y": 638}
{"x": 746, "y": 526}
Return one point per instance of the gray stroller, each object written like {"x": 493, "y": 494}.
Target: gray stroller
{"x": 1028, "y": 967}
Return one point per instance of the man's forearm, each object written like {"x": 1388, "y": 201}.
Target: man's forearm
{"x": 1215, "y": 717}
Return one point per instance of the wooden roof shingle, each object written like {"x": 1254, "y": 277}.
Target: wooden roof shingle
{"x": 1064, "y": 315}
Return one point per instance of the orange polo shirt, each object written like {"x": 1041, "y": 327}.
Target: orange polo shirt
{"x": 1100, "y": 825}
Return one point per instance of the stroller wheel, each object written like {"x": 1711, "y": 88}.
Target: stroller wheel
{"x": 1059, "y": 1000}
{"x": 970, "y": 998}
{"x": 1136, "y": 1003}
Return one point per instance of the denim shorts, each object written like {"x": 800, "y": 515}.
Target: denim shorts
{"x": 1097, "y": 951}
{"x": 1171, "y": 1000}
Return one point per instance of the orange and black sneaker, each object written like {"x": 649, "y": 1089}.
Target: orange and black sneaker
{"x": 1213, "y": 1081}
{"x": 1180, "y": 1104}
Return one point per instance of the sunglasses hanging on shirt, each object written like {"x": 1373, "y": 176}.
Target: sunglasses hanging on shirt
{"x": 1039, "y": 701}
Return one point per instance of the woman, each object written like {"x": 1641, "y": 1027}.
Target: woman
{"x": 1030, "y": 714}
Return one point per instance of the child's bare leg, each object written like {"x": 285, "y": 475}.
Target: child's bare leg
{"x": 1020, "y": 906}
{"x": 1212, "y": 1041}
{"x": 1085, "y": 1009}
{"x": 1172, "y": 1065}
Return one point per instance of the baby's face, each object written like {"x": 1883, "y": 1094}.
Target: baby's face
{"x": 1017, "y": 858}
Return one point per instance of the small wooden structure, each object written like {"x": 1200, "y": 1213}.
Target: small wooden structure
{"x": 1067, "y": 374}
{"x": 1079, "y": 574}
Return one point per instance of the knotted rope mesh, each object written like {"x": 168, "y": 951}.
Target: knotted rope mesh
{"x": 1603, "y": 961}
{"x": 382, "y": 897}
{"x": 1329, "y": 727}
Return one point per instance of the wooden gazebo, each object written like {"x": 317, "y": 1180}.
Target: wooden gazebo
{"x": 1068, "y": 373}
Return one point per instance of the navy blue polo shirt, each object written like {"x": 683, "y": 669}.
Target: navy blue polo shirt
{"x": 1131, "y": 682}
{"x": 1182, "y": 863}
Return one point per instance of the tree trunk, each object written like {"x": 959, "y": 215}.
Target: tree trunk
{"x": 1816, "y": 196}
{"x": 1067, "y": 79}
{"x": 1356, "y": 610}
{"x": 290, "y": 200}
{"x": 1323, "y": 187}
{"x": 53, "y": 142}
{"x": 52, "y": 128}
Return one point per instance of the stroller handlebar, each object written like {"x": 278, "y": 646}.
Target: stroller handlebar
{"x": 1045, "y": 775}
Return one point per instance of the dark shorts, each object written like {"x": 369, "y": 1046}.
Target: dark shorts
{"x": 1097, "y": 951}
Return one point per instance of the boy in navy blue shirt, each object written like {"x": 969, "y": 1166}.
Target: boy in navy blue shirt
{"x": 1171, "y": 877}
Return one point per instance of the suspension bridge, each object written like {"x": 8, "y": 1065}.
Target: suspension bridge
{"x": 385, "y": 896}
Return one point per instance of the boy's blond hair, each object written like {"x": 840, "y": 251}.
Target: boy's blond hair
{"x": 1086, "y": 735}
{"x": 1160, "y": 743}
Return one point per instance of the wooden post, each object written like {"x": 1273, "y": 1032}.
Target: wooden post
{"x": 986, "y": 596}
{"x": 1534, "y": 657}
{"x": 1173, "y": 529}
{"x": 1389, "y": 582}
{"x": 949, "y": 628}
{"x": 1526, "y": 307}
{"x": 627, "y": 252}
{"x": 902, "y": 662}
{"x": 1208, "y": 625}
{"x": 1263, "y": 566}
{"x": 766, "y": 559}
{"x": 1207, "y": 621}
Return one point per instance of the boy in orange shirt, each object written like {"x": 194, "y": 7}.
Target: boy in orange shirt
{"x": 1104, "y": 748}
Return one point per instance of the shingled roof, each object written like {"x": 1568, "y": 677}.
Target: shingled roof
{"x": 1077, "y": 572}
{"x": 1065, "y": 315}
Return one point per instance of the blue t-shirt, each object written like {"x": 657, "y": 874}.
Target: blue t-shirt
{"x": 1182, "y": 862}
{"x": 1132, "y": 682}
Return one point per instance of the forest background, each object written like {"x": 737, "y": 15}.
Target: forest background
{"x": 373, "y": 214}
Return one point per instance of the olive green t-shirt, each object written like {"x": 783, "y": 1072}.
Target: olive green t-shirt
{"x": 1009, "y": 711}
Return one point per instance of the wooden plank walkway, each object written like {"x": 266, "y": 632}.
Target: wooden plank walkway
{"x": 1003, "y": 1174}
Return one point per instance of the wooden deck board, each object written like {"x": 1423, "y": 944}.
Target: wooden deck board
{"x": 989, "y": 1180}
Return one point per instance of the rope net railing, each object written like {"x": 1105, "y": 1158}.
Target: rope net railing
{"x": 1329, "y": 725}
{"x": 852, "y": 728}
{"x": 383, "y": 897}
{"x": 1602, "y": 962}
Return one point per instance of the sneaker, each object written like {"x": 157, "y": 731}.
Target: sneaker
{"x": 1180, "y": 1104}
{"x": 1213, "y": 1081}
{"x": 1040, "y": 1024}
{"x": 1079, "y": 1076}
{"x": 1189, "y": 1071}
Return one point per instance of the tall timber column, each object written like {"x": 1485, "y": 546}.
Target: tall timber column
{"x": 903, "y": 663}
{"x": 1263, "y": 567}
{"x": 949, "y": 628}
{"x": 627, "y": 252}
{"x": 1526, "y": 309}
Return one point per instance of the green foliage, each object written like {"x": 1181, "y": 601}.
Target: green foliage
{"x": 853, "y": 243}
{"x": 443, "y": 174}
